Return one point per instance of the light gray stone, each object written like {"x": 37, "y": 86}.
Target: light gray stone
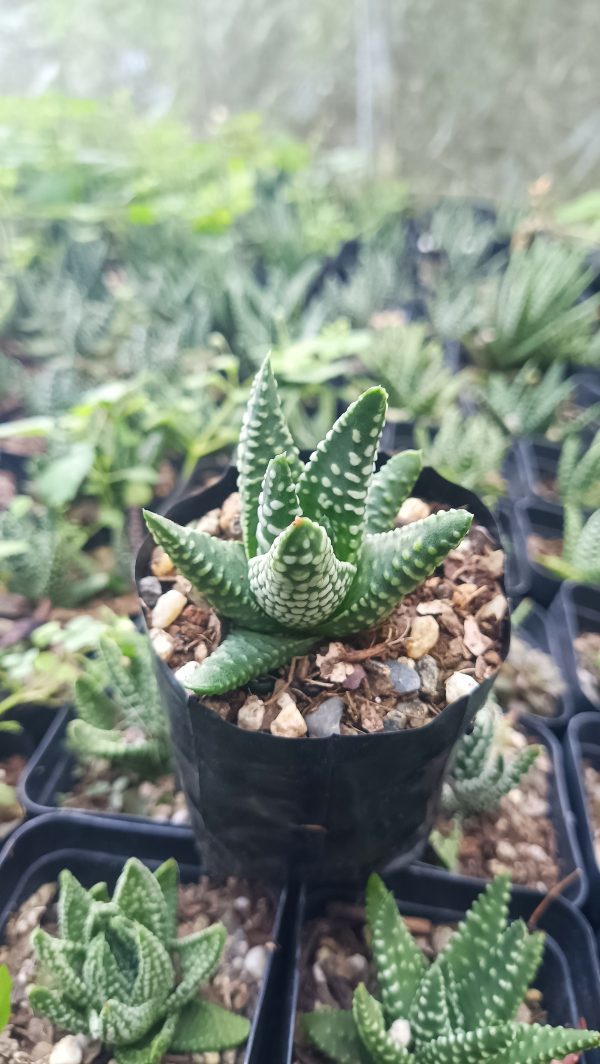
{"x": 429, "y": 672}
{"x": 326, "y": 718}
{"x": 150, "y": 590}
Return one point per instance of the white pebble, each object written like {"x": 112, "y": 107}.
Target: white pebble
{"x": 459, "y": 684}
{"x": 168, "y": 608}
{"x": 289, "y": 723}
{"x": 255, "y": 962}
{"x": 251, "y": 714}
{"x": 67, "y": 1051}
{"x": 162, "y": 643}
{"x": 185, "y": 674}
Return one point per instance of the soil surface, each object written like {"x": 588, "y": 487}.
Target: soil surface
{"x": 529, "y": 681}
{"x": 518, "y": 837}
{"x": 335, "y": 958}
{"x": 391, "y": 677}
{"x": 248, "y": 916}
{"x": 587, "y": 654}
{"x": 101, "y": 788}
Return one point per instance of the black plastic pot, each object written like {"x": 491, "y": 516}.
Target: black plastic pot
{"x": 542, "y": 519}
{"x": 51, "y": 772}
{"x": 576, "y": 609}
{"x": 536, "y": 462}
{"x": 569, "y": 976}
{"x": 561, "y": 815}
{"x": 583, "y": 744}
{"x": 95, "y": 851}
{"x": 587, "y": 387}
{"x": 310, "y": 808}
{"x": 33, "y": 723}
{"x": 516, "y": 574}
{"x": 539, "y": 631}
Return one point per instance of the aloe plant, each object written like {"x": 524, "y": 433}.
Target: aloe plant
{"x": 117, "y": 971}
{"x": 319, "y": 556}
{"x": 460, "y": 1009}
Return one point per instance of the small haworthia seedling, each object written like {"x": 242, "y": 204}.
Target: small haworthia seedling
{"x": 460, "y": 1009}
{"x": 320, "y": 557}
{"x": 118, "y": 972}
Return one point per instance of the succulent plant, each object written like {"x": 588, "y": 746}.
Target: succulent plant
{"x": 119, "y": 710}
{"x": 480, "y": 774}
{"x": 469, "y": 450}
{"x": 529, "y": 403}
{"x": 319, "y": 557}
{"x": 578, "y": 478}
{"x": 411, "y": 365}
{"x": 580, "y": 558}
{"x": 536, "y": 310}
{"x": 117, "y": 971}
{"x": 460, "y": 1009}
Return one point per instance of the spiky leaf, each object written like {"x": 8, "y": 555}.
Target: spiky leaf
{"x": 58, "y": 1009}
{"x": 74, "y": 904}
{"x": 468, "y": 1047}
{"x": 389, "y": 488}
{"x": 534, "y": 1044}
{"x": 334, "y": 1033}
{"x": 139, "y": 897}
{"x": 278, "y": 503}
{"x": 368, "y": 1017}
{"x": 167, "y": 877}
{"x": 203, "y": 1027}
{"x": 399, "y": 962}
{"x": 334, "y": 484}
{"x": 242, "y": 656}
{"x": 151, "y": 1049}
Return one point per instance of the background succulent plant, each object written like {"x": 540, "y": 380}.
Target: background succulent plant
{"x": 580, "y": 557}
{"x": 320, "y": 556}
{"x": 119, "y": 711}
{"x": 460, "y": 1008}
{"x": 117, "y": 971}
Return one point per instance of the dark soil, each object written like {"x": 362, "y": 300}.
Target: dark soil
{"x": 452, "y": 624}
{"x": 247, "y": 914}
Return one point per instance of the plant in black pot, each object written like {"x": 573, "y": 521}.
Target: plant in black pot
{"x": 324, "y": 585}
{"x": 577, "y": 555}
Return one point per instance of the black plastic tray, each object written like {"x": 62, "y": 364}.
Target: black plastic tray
{"x": 539, "y": 630}
{"x": 542, "y": 519}
{"x": 576, "y": 609}
{"x": 569, "y": 977}
{"x": 93, "y": 851}
{"x": 583, "y": 743}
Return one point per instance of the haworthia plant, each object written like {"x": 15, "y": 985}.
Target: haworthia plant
{"x": 120, "y": 716}
{"x": 320, "y": 557}
{"x": 578, "y": 478}
{"x": 460, "y": 1009}
{"x": 580, "y": 558}
{"x": 481, "y": 776}
{"x": 118, "y": 972}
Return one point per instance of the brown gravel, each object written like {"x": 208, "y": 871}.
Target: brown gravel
{"x": 529, "y": 681}
{"x": 335, "y": 958}
{"x": 247, "y": 914}
{"x": 519, "y": 837}
{"x": 455, "y": 620}
{"x": 101, "y": 788}
{"x": 587, "y": 652}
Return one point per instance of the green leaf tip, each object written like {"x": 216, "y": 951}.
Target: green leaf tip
{"x": 320, "y": 555}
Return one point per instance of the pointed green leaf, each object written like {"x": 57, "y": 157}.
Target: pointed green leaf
{"x": 155, "y": 974}
{"x": 74, "y": 905}
{"x": 368, "y": 1017}
{"x": 93, "y": 705}
{"x": 216, "y": 567}
{"x": 482, "y": 929}
{"x": 5, "y": 990}
{"x": 392, "y": 564}
{"x": 586, "y": 552}
{"x": 118, "y": 1023}
{"x": 102, "y": 973}
{"x": 399, "y": 962}
{"x": 278, "y": 504}
{"x": 493, "y": 991}
{"x": 63, "y": 961}
{"x": 263, "y": 435}
{"x": 242, "y": 656}
{"x": 300, "y": 582}
{"x": 199, "y": 956}
{"x": 429, "y": 1015}
{"x": 468, "y": 1047}
{"x": 207, "y": 1028}
{"x": 389, "y": 488}
{"x": 55, "y": 1007}
{"x": 152, "y": 1048}
{"x": 90, "y": 742}
{"x": 534, "y": 1044}
{"x": 334, "y": 1033}
{"x": 167, "y": 877}
{"x": 139, "y": 897}
{"x": 334, "y": 484}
